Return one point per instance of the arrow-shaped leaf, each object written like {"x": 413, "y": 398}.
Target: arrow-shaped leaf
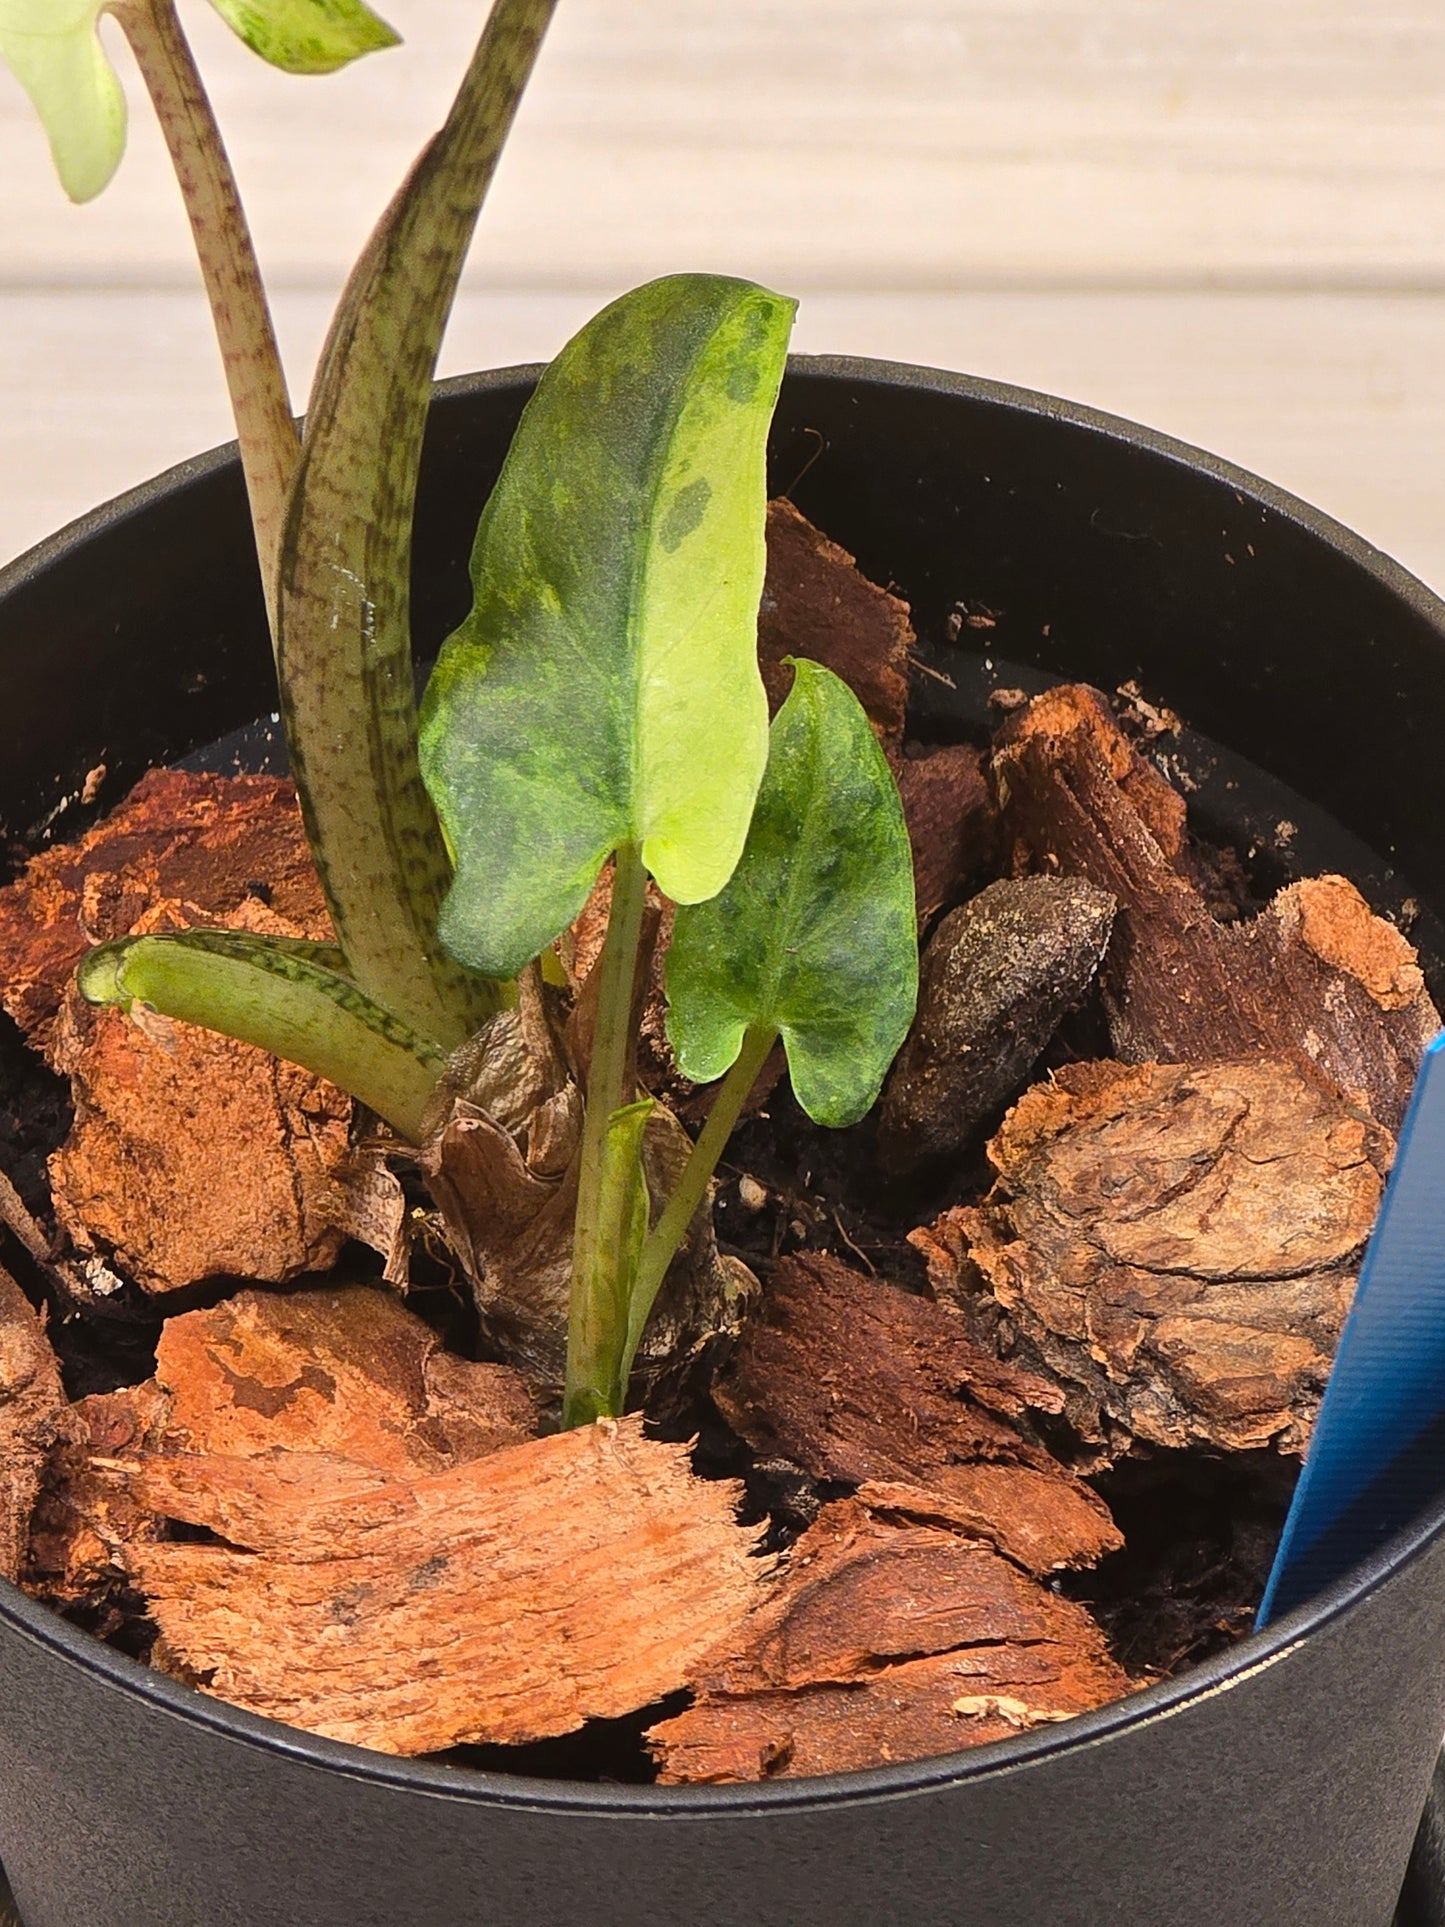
{"x": 814, "y": 937}
{"x": 53, "y": 48}
{"x": 604, "y": 690}
{"x": 307, "y": 36}
{"x": 284, "y": 997}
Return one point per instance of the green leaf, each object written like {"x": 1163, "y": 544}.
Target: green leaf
{"x": 605, "y": 688}
{"x": 347, "y": 688}
{"x": 53, "y": 48}
{"x": 814, "y": 937}
{"x": 284, "y": 998}
{"x": 307, "y": 36}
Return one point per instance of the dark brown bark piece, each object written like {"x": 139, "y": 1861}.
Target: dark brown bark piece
{"x": 952, "y": 822}
{"x": 998, "y": 977}
{"x": 579, "y": 949}
{"x": 211, "y": 842}
{"x": 34, "y": 1419}
{"x": 1177, "y": 1246}
{"x": 1316, "y": 976}
{"x": 817, "y": 603}
{"x": 885, "y": 1642}
{"x": 1044, "y": 1520}
{"x": 509, "y": 1599}
{"x": 855, "y": 1380}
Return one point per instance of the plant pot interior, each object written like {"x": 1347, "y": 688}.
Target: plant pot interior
{"x": 1035, "y": 544}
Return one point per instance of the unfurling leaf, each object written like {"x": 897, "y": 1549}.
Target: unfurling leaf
{"x": 283, "y": 997}
{"x": 307, "y": 36}
{"x": 814, "y": 937}
{"x": 53, "y": 48}
{"x": 605, "y": 689}
{"x": 623, "y": 1227}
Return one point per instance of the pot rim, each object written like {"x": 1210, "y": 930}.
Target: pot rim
{"x": 1255, "y": 1653}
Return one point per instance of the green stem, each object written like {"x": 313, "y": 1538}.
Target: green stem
{"x": 348, "y": 689}
{"x": 594, "y": 1341}
{"x": 682, "y": 1207}
{"x": 284, "y": 998}
{"x": 254, "y": 377}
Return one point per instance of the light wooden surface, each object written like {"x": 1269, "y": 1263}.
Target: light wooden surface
{"x": 1226, "y": 219}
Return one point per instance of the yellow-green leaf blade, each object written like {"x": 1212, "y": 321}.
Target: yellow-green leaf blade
{"x": 307, "y": 36}
{"x": 605, "y": 689}
{"x": 53, "y": 49}
{"x": 814, "y": 936}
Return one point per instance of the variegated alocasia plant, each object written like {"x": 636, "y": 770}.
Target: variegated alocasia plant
{"x": 601, "y": 702}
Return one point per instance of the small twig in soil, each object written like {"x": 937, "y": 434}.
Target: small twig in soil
{"x": 926, "y": 669}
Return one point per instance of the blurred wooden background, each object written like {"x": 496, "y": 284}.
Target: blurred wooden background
{"x": 1227, "y": 220}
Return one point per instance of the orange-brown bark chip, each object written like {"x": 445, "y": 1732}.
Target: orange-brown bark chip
{"x": 191, "y": 1156}
{"x": 885, "y": 1642}
{"x": 210, "y": 842}
{"x": 86, "y": 1518}
{"x": 34, "y": 1418}
{"x": 508, "y": 1599}
{"x": 859, "y": 1382}
{"x": 1176, "y": 1246}
{"x": 349, "y": 1371}
{"x": 346, "y": 1372}
{"x": 818, "y": 603}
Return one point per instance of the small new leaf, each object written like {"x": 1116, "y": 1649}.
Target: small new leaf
{"x": 53, "y": 48}
{"x": 814, "y": 937}
{"x": 624, "y": 1208}
{"x": 605, "y": 688}
{"x": 307, "y": 36}
{"x": 287, "y": 998}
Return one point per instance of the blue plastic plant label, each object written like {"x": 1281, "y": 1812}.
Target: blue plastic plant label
{"x": 1378, "y": 1450}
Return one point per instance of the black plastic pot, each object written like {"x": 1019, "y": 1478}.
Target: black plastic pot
{"x": 1277, "y": 1785}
